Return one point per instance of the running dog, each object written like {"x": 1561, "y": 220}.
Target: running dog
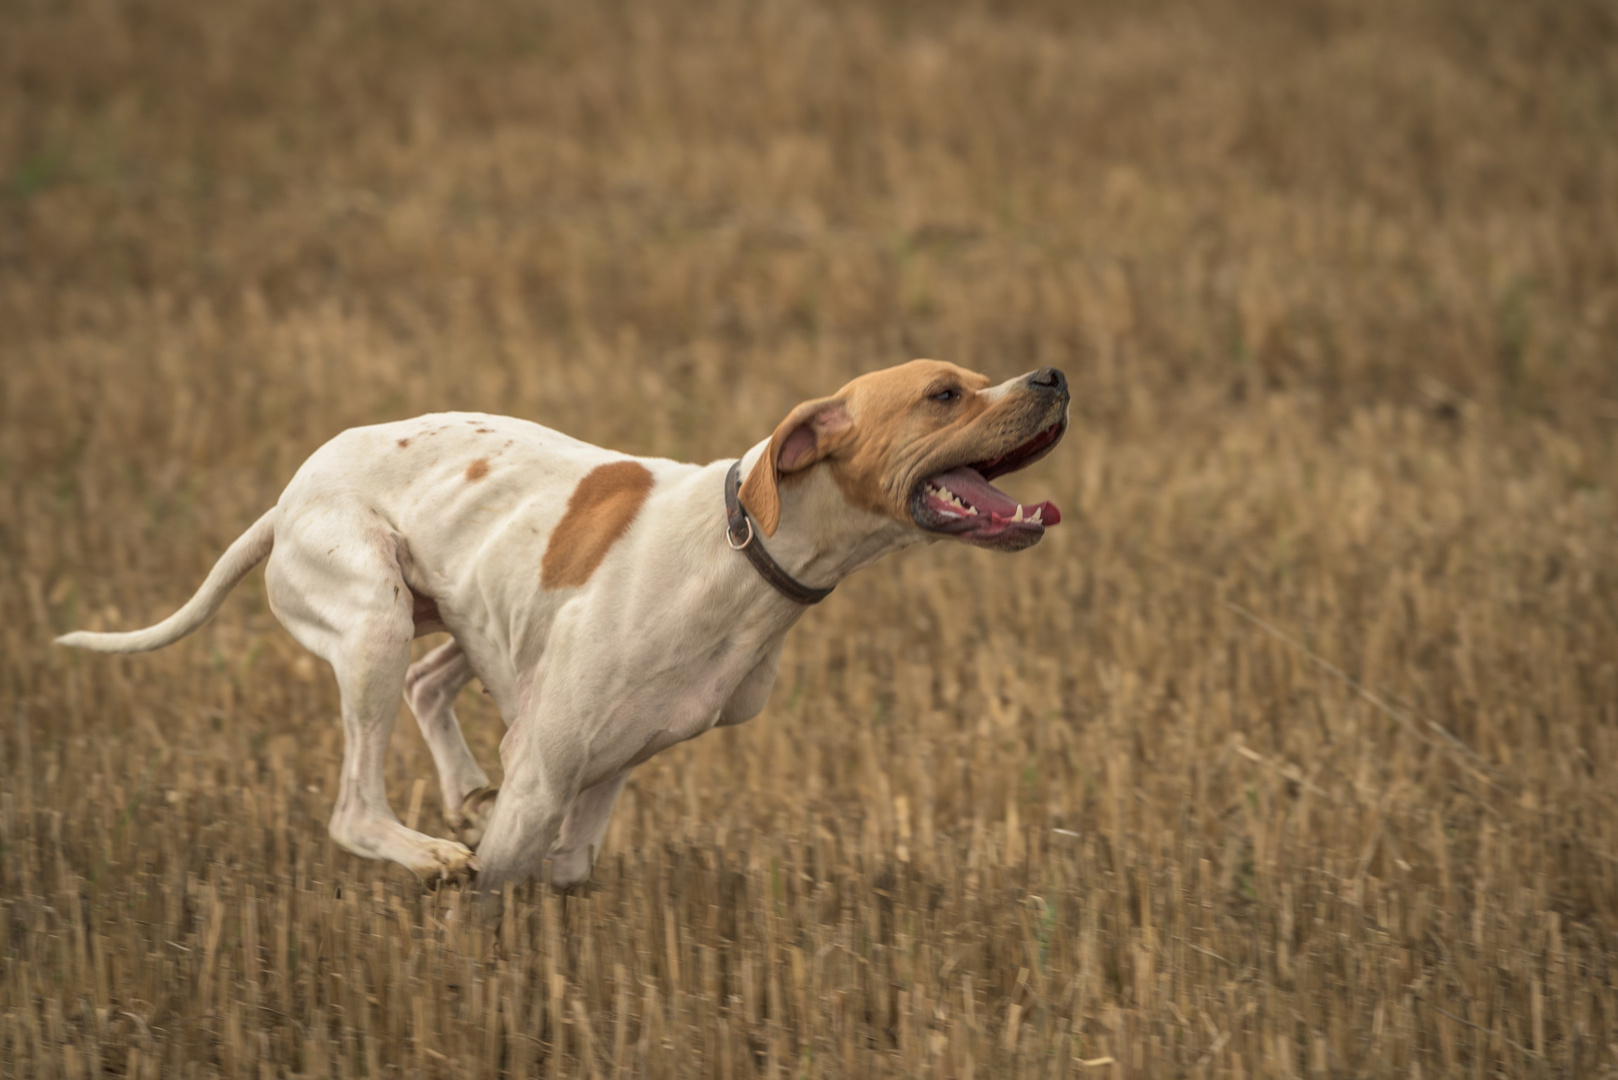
{"x": 612, "y": 606}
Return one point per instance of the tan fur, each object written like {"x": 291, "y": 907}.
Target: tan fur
{"x": 599, "y": 511}
{"x": 827, "y": 419}
{"x": 892, "y": 434}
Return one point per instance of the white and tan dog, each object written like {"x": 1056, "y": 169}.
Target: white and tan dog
{"x": 600, "y": 598}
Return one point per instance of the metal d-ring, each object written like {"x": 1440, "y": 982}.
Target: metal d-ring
{"x": 730, "y": 537}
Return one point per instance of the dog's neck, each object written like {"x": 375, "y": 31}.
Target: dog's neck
{"x": 821, "y": 537}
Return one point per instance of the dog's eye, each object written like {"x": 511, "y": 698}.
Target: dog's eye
{"x": 946, "y": 395}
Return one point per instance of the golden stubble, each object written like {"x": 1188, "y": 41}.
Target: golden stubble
{"x": 1289, "y": 753}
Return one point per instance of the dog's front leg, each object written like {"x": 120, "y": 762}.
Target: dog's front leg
{"x": 583, "y": 830}
{"x": 526, "y": 821}
{"x": 542, "y": 762}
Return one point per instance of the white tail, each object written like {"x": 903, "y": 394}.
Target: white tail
{"x": 251, "y": 548}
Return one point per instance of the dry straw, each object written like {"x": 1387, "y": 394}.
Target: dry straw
{"x": 1289, "y": 753}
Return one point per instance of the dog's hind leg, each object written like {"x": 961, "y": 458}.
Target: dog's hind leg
{"x": 431, "y": 686}
{"x": 334, "y": 582}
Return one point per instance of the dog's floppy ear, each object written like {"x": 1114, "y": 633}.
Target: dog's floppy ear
{"x": 810, "y": 432}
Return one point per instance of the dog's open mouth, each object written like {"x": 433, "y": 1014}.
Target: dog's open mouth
{"x": 960, "y": 502}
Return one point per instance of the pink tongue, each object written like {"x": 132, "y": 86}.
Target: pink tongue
{"x": 970, "y": 485}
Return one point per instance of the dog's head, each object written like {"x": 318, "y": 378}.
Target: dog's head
{"x": 919, "y": 443}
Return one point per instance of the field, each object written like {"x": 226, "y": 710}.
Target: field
{"x": 1289, "y": 753}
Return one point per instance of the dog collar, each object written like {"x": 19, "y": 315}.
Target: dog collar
{"x": 740, "y": 535}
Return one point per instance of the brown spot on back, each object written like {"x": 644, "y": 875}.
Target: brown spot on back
{"x": 403, "y": 443}
{"x": 477, "y": 470}
{"x": 599, "y": 511}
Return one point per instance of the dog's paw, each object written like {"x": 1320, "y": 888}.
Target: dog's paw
{"x": 445, "y": 862}
{"x": 472, "y": 818}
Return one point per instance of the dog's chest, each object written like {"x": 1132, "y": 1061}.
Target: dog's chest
{"x": 686, "y": 701}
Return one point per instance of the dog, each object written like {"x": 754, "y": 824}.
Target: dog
{"x": 612, "y": 606}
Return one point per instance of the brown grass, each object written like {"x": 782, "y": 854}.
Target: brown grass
{"x": 1291, "y": 752}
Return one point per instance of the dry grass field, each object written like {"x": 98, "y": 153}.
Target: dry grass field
{"x": 1291, "y": 752}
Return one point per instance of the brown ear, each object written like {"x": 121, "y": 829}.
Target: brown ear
{"x": 809, "y": 433}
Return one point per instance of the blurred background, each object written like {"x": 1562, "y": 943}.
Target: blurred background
{"x": 1290, "y": 752}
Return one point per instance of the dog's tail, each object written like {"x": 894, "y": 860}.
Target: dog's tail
{"x": 251, "y": 548}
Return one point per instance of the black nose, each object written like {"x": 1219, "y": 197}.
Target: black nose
{"x": 1049, "y": 378}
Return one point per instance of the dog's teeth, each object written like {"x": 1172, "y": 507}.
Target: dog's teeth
{"x": 1038, "y": 511}
{"x": 949, "y": 498}
{"x": 1018, "y": 515}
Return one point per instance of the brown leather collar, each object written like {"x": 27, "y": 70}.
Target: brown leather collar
{"x": 741, "y": 536}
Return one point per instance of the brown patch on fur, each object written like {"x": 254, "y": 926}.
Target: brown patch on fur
{"x": 477, "y": 470}
{"x": 599, "y": 511}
